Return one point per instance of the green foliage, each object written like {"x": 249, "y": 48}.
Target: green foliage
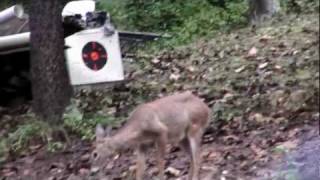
{"x": 27, "y": 132}
{"x": 84, "y": 126}
{"x": 3, "y": 150}
{"x": 4, "y": 4}
{"x": 35, "y": 132}
{"x": 184, "y": 20}
{"x": 55, "y": 146}
{"x": 207, "y": 20}
{"x": 7, "y": 3}
{"x": 298, "y": 6}
{"x": 187, "y": 20}
{"x": 30, "y": 132}
{"x": 225, "y": 112}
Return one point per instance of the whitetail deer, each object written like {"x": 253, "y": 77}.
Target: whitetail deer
{"x": 176, "y": 119}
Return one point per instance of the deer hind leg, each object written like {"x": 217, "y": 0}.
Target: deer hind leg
{"x": 194, "y": 138}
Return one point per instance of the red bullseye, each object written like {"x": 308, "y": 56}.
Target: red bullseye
{"x": 94, "y": 55}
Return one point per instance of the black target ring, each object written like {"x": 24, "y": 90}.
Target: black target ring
{"x": 94, "y": 56}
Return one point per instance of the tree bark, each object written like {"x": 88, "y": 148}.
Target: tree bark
{"x": 260, "y": 10}
{"x": 51, "y": 89}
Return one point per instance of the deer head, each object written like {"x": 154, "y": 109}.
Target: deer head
{"x": 104, "y": 145}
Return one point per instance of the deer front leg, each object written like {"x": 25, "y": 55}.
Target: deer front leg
{"x": 141, "y": 162}
{"x": 161, "y": 148}
{"x": 195, "y": 160}
{"x": 194, "y": 137}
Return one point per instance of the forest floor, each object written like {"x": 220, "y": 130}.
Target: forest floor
{"x": 262, "y": 86}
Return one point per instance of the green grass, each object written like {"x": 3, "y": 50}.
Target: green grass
{"x": 82, "y": 125}
{"x": 184, "y": 21}
{"x": 30, "y": 132}
{"x": 36, "y": 132}
{"x": 187, "y": 20}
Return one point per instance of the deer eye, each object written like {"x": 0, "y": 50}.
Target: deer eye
{"x": 95, "y": 155}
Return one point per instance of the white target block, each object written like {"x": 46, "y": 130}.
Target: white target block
{"x": 93, "y": 57}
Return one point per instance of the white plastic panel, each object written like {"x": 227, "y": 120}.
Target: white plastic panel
{"x": 79, "y": 7}
{"x": 79, "y": 72}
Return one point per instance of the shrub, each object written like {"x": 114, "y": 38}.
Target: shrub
{"x": 184, "y": 20}
{"x": 30, "y": 132}
{"x": 84, "y": 126}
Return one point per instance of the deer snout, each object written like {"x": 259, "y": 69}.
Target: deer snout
{"x": 99, "y": 156}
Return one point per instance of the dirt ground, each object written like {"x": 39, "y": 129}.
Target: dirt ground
{"x": 233, "y": 154}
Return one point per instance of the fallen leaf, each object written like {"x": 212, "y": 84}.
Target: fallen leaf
{"x": 172, "y": 171}
{"x": 116, "y": 157}
{"x": 221, "y": 54}
{"x": 258, "y": 151}
{"x": 273, "y": 49}
{"x": 155, "y": 61}
{"x": 265, "y": 38}
{"x": 84, "y": 171}
{"x": 26, "y": 172}
{"x": 295, "y": 52}
{"x": 240, "y": 69}
{"x": 8, "y": 172}
{"x": 252, "y": 52}
{"x": 174, "y": 77}
{"x": 263, "y": 65}
{"x": 259, "y": 118}
{"x": 52, "y": 178}
{"x": 288, "y": 145}
{"x": 278, "y": 67}
{"x": 94, "y": 169}
{"x": 74, "y": 177}
{"x": 282, "y": 45}
{"x": 213, "y": 155}
{"x": 133, "y": 168}
{"x": 85, "y": 157}
{"x": 191, "y": 68}
{"x": 35, "y": 147}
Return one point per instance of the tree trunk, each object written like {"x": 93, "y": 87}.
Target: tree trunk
{"x": 259, "y": 10}
{"x": 51, "y": 89}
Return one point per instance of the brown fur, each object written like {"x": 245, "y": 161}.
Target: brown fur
{"x": 177, "y": 119}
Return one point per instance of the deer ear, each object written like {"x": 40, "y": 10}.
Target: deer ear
{"x": 108, "y": 131}
{"x": 100, "y": 133}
